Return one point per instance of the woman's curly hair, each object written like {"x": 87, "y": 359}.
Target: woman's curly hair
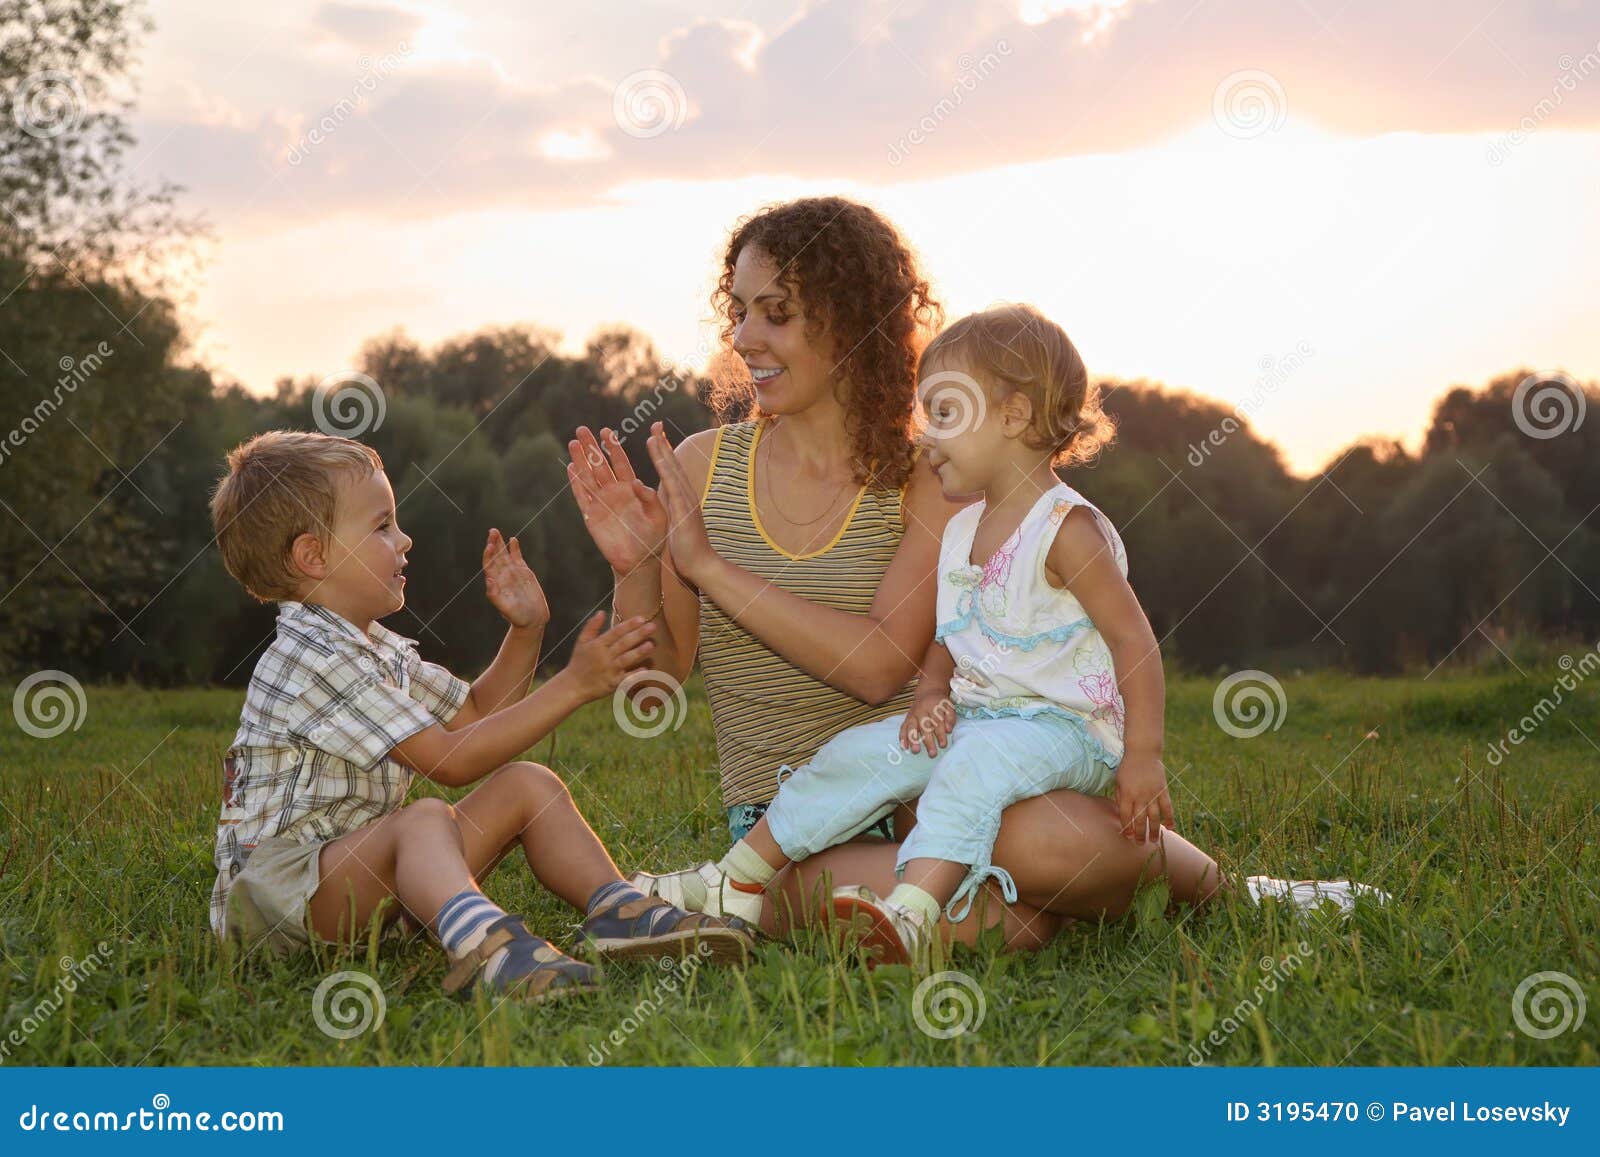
{"x": 858, "y": 281}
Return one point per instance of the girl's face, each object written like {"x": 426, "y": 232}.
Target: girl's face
{"x": 969, "y": 439}
{"x": 790, "y": 373}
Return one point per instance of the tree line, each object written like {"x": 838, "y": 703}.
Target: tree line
{"x": 111, "y": 440}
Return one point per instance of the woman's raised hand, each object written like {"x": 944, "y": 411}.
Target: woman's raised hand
{"x": 625, "y": 517}
{"x": 686, "y": 533}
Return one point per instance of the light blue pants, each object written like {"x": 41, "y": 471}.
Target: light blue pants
{"x": 859, "y": 776}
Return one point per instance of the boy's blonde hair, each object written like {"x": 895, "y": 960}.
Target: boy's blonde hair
{"x": 1016, "y": 349}
{"x": 280, "y": 485}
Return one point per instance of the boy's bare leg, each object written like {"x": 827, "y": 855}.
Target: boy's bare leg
{"x": 429, "y": 851}
{"x": 528, "y": 803}
{"x": 415, "y": 855}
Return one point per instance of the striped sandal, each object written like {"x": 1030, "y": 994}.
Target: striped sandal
{"x": 644, "y": 926}
{"x": 534, "y": 970}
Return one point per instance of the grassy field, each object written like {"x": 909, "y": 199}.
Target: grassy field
{"x": 107, "y": 834}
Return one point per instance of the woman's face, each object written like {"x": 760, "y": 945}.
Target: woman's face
{"x": 789, "y": 371}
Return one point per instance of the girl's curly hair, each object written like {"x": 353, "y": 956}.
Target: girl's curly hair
{"x": 858, "y": 280}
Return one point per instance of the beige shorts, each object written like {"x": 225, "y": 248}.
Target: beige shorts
{"x": 269, "y": 901}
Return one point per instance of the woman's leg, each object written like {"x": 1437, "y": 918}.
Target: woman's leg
{"x": 1067, "y": 854}
{"x": 1064, "y": 850}
{"x": 801, "y": 891}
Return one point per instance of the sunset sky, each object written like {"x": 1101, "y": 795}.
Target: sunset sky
{"x": 1324, "y": 212}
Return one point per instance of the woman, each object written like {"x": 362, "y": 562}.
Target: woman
{"x": 804, "y": 577}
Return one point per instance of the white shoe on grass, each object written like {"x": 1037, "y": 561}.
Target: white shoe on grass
{"x": 701, "y": 889}
{"x": 1310, "y": 895}
{"x": 892, "y": 933}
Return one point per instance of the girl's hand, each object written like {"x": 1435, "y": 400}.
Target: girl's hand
{"x": 624, "y": 516}
{"x": 511, "y": 585}
{"x": 599, "y": 661}
{"x": 928, "y": 724}
{"x": 686, "y": 527}
{"x": 1142, "y": 799}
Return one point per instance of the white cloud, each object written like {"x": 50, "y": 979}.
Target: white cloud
{"x": 844, "y": 89}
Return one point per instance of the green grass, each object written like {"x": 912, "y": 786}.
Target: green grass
{"x": 108, "y": 833}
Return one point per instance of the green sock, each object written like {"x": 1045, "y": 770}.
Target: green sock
{"x": 920, "y": 902}
{"x": 745, "y": 865}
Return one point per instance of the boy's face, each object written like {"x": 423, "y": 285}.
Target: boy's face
{"x": 366, "y": 554}
{"x": 964, "y": 430}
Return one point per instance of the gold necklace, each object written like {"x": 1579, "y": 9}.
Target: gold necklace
{"x": 772, "y": 498}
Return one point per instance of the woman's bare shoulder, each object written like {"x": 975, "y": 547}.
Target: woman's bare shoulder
{"x": 695, "y": 454}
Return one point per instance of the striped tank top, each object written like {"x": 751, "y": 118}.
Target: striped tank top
{"x": 765, "y": 711}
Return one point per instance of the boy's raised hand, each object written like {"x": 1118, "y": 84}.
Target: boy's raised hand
{"x": 511, "y": 584}
{"x": 599, "y": 661}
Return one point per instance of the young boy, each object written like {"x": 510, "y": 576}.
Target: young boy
{"x": 315, "y": 834}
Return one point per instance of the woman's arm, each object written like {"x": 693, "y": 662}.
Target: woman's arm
{"x": 868, "y": 656}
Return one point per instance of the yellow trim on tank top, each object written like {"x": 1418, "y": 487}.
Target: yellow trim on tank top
{"x": 711, "y": 471}
{"x": 755, "y": 517}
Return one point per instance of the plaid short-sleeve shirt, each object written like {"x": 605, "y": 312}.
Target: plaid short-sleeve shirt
{"x": 325, "y": 706}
